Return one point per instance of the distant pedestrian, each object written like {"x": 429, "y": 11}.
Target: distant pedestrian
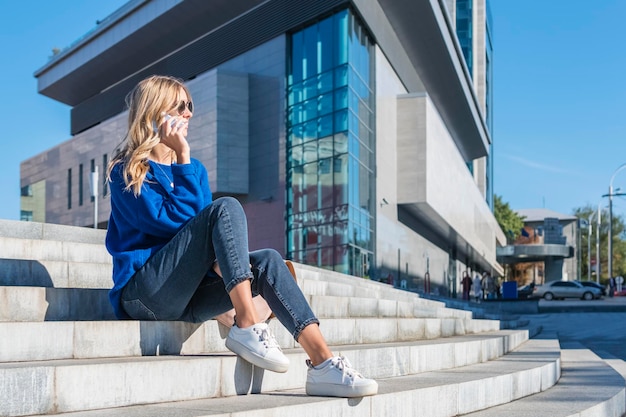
{"x": 466, "y": 284}
{"x": 476, "y": 288}
{"x": 489, "y": 286}
{"x": 612, "y": 286}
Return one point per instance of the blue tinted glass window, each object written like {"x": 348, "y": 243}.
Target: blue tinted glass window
{"x": 325, "y": 126}
{"x": 330, "y": 144}
{"x": 296, "y": 58}
{"x": 309, "y": 109}
{"x": 464, "y": 30}
{"x": 325, "y": 104}
{"x": 295, "y": 135}
{"x": 341, "y": 98}
{"x": 325, "y": 46}
{"x": 325, "y": 82}
{"x": 341, "y": 120}
{"x": 310, "y": 52}
{"x": 341, "y": 42}
{"x": 310, "y": 130}
{"x": 309, "y": 89}
{"x": 341, "y": 76}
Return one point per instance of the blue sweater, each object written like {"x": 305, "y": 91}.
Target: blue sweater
{"x": 140, "y": 226}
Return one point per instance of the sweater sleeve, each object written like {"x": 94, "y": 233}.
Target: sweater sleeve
{"x": 160, "y": 212}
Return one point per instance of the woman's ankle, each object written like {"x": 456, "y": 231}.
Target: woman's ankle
{"x": 245, "y": 321}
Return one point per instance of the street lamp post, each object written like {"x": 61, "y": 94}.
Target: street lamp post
{"x": 610, "y": 255}
{"x": 579, "y": 255}
{"x": 589, "y": 227}
{"x": 589, "y": 232}
{"x": 598, "y": 224}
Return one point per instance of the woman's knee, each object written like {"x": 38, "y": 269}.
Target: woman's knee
{"x": 228, "y": 203}
{"x": 265, "y": 257}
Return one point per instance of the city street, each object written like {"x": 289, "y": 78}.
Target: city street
{"x": 602, "y": 330}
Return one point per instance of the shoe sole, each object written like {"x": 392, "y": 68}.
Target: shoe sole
{"x": 343, "y": 391}
{"x": 255, "y": 359}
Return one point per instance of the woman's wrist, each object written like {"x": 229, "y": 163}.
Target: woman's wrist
{"x": 183, "y": 157}
{"x": 183, "y": 154}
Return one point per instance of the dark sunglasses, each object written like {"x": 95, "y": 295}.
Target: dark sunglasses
{"x": 184, "y": 105}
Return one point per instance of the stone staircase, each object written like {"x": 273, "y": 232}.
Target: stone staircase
{"x": 63, "y": 353}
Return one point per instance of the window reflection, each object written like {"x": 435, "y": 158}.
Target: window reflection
{"x": 330, "y": 146}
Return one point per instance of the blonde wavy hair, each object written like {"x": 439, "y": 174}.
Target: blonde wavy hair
{"x": 146, "y": 102}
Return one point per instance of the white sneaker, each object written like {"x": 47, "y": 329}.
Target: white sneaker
{"x": 337, "y": 378}
{"x": 257, "y": 345}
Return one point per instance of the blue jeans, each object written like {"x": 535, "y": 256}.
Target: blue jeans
{"x": 179, "y": 283}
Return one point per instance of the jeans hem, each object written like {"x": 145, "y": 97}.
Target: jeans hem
{"x": 301, "y": 326}
{"x": 233, "y": 282}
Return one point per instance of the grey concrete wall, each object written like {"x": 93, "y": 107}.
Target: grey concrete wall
{"x": 443, "y": 184}
{"x": 218, "y": 135}
{"x": 265, "y": 202}
{"x": 399, "y": 250}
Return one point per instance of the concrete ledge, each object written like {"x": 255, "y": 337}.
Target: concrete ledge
{"x": 531, "y": 369}
{"x": 30, "y": 341}
{"x": 37, "y": 303}
{"x": 53, "y": 250}
{"x": 49, "y": 231}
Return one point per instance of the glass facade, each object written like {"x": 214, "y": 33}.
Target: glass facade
{"x": 330, "y": 146}
{"x": 465, "y": 31}
{"x": 489, "y": 101}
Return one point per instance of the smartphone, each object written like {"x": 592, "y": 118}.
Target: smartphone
{"x": 155, "y": 127}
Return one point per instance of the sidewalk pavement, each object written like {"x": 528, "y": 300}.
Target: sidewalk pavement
{"x": 605, "y": 304}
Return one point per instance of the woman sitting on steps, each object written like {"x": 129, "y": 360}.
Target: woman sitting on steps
{"x": 178, "y": 255}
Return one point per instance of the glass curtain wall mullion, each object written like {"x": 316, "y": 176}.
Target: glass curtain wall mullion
{"x": 330, "y": 144}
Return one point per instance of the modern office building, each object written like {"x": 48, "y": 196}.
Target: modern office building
{"x": 356, "y": 133}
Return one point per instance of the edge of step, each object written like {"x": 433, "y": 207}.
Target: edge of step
{"x": 42, "y": 341}
{"x": 436, "y": 393}
{"x": 50, "y": 231}
{"x": 588, "y": 387}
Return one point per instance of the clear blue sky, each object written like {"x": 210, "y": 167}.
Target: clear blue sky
{"x": 559, "y": 105}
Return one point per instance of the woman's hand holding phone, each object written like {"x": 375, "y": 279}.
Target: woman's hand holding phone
{"x": 173, "y": 133}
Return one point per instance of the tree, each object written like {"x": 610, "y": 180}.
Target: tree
{"x": 588, "y": 215}
{"x": 509, "y": 221}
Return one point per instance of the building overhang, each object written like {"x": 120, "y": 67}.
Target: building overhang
{"x": 136, "y": 36}
{"x": 514, "y": 254}
{"x": 149, "y": 36}
{"x": 434, "y": 51}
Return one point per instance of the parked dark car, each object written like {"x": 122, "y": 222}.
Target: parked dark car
{"x": 525, "y": 292}
{"x": 566, "y": 289}
{"x": 594, "y": 284}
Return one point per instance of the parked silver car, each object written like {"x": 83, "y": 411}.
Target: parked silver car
{"x": 566, "y": 289}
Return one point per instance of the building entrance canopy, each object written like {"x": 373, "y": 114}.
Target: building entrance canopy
{"x": 514, "y": 254}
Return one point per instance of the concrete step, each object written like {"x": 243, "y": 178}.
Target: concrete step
{"x": 79, "y": 283}
{"x": 75, "y": 385}
{"x": 588, "y": 387}
{"x": 58, "y": 274}
{"x": 25, "y": 303}
{"x": 42, "y": 254}
{"x": 30, "y": 341}
{"x": 20, "y": 304}
{"x": 53, "y": 250}
{"x": 49, "y": 231}
{"x": 535, "y": 366}
{"x": 60, "y": 264}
